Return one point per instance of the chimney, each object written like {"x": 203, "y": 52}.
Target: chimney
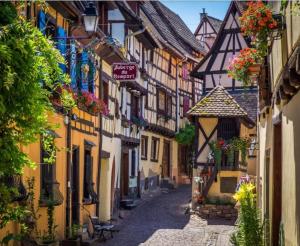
{"x": 202, "y": 14}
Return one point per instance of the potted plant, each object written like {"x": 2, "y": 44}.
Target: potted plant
{"x": 73, "y": 238}
{"x": 257, "y": 22}
{"x": 245, "y": 65}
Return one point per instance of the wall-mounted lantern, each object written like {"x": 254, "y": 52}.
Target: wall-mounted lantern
{"x": 90, "y": 18}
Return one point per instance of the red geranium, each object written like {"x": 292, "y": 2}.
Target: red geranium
{"x": 257, "y": 22}
{"x": 239, "y": 66}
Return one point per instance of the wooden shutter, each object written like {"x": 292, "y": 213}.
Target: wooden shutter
{"x": 73, "y": 60}
{"x": 61, "y": 45}
{"x": 91, "y": 77}
{"x": 186, "y": 104}
{"x": 42, "y": 22}
{"x": 84, "y": 78}
{"x": 133, "y": 155}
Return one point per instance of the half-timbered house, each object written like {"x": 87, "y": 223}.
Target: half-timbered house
{"x": 207, "y": 30}
{"x": 126, "y": 40}
{"x": 170, "y": 93}
{"x": 217, "y": 121}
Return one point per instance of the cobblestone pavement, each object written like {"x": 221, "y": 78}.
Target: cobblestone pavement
{"x": 162, "y": 222}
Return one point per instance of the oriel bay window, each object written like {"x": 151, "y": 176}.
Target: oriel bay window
{"x": 154, "y": 149}
{"x": 89, "y": 194}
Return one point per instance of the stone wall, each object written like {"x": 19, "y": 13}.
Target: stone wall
{"x": 213, "y": 211}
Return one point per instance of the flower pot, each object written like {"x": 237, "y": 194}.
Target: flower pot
{"x": 254, "y": 69}
{"x": 71, "y": 242}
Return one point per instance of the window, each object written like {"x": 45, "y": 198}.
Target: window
{"x": 164, "y": 102}
{"x": 133, "y": 160}
{"x": 135, "y": 107}
{"x": 144, "y": 147}
{"x": 161, "y": 101}
{"x": 105, "y": 92}
{"x": 49, "y": 185}
{"x": 186, "y": 105}
{"x": 151, "y": 56}
{"x": 89, "y": 195}
{"x": 169, "y": 105}
{"x": 47, "y": 175}
{"x": 116, "y": 25}
{"x": 170, "y": 66}
{"x": 154, "y": 149}
{"x": 227, "y": 128}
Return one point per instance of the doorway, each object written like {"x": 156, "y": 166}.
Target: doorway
{"x": 75, "y": 186}
{"x": 166, "y": 160}
{"x": 277, "y": 183}
{"x": 124, "y": 175}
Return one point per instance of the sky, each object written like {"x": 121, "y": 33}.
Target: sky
{"x": 189, "y": 10}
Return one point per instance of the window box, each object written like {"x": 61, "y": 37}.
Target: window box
{"x": 139, "y": 121}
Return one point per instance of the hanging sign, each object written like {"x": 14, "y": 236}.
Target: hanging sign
{"x": 124, "y": 71}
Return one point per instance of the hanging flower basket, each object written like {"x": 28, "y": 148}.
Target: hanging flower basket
{"x": 245, "y": 65}
{"x": 257, "y": 22}
{"x": 254, "y": 69}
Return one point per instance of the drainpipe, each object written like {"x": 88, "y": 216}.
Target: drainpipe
{"x": 177, "y": 93}
{"x": 100, "y": 140}
{"x": 69, "y": 166}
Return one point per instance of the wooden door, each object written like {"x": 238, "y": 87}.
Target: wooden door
{"x": 183, "y": 160}
{"x": 75, "y": 186}
{"x": 124, "y": 175}
{"x": 166, "y": 160}
{"x": 277, "y": 184}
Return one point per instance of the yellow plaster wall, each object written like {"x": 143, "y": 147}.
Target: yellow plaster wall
{"x": 150, "y": 168}
{"x": 208, "y": 124}
{"x": 105, "y": 191}
{"x": 215, "y": 188}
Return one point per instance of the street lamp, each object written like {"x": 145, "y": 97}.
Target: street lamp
{"x": 90, "y": 18}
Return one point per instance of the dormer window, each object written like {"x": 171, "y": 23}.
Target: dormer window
{"x": 116, "y": 25}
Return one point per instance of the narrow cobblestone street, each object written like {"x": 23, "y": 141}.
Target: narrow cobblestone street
{"x": 162, "y": 221}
